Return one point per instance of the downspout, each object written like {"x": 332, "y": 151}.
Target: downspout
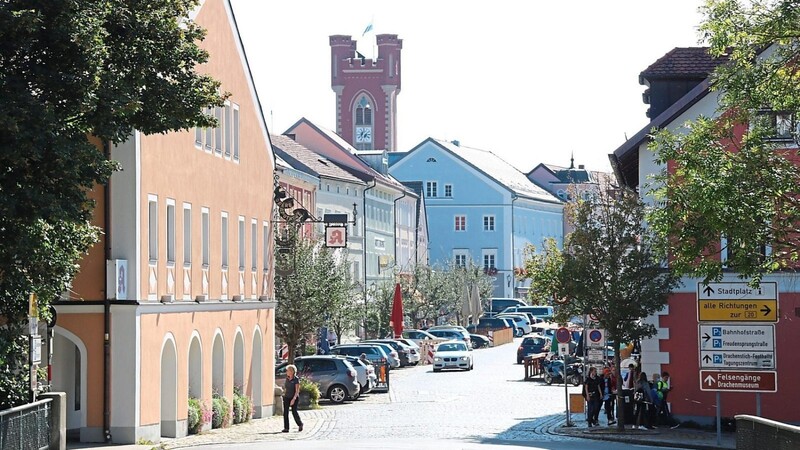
{"x": 364, "y": 209}
{"x": 513, "y": 248}
{"x": 395, "y": 226}
{"x": 107, "y": 303}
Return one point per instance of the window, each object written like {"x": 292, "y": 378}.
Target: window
{"x": 488, "y": 223}
{"x": 204, "y": 231}
{"x": 235, "y": 132}
{"x": 218, "y": 130}
{"x": 781, "y": 122}
{"x": 224, "y": 237}
{"x": 488, "y": 260}
{"x": 241, "y": 243}
{"x": 253, "y": 245}
{"x": 152, "y": 227}
{"x": 187, "y": 234}
{"x": 430, "y": 189}
{"x": 265, "y": 238}
{"x": 209, "y": 132}
{"x": 380, "y": 243}
{"x": 460, "y": 257}
{"x": 448, "y": 190}
{"x": 461, "y": 223}
{"x": 228, "y": 131}
{"x": 198, "y": 137}
{"x": 170, "y": 231}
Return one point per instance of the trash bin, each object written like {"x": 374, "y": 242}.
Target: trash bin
{"x": 576, "y": 403}
{"x": 628, "y": 406}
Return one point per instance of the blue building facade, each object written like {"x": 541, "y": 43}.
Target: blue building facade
{"x": 480, "y": 209}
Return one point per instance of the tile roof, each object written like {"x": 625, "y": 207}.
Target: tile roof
{"x": 683, "y": 62}
{"x": 321, "y": 166}
{"x": 500, "y": 171}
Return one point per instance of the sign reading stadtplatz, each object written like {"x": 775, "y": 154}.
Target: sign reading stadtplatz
{"x": 737, "y": 302}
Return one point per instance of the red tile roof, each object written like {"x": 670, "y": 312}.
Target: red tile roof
{"x": 684, "y": 62}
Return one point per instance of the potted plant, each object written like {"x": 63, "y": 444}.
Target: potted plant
{"x": 309, "y": 395}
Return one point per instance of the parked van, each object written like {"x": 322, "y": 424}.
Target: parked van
{"x": 542, "y": 312}
{"x": 499, "y": 304}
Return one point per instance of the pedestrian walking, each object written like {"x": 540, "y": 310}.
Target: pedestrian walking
{"x": 664, "y": 413}
{"x": 644, "y": 403}
{"x": 592, "y": 391}
{"x": 291, "y": 391}
{"x": 609, "y": 394}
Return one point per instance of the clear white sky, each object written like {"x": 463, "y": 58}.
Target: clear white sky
{"x": 531, "y": 81}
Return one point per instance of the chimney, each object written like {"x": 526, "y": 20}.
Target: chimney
{"x": 581, "y": 166}
{"x": 456, "y": 143}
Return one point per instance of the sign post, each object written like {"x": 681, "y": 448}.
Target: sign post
{"x": 563, "y": 336}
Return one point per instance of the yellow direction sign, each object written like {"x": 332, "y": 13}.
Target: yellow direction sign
{"x": 737, "y": 302}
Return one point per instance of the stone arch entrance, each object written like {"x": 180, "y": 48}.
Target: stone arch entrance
{"x": 69, "y": 374}
{"x": 254, "y": 385}
{"x": 195, "y": 368}
{"x": 238, "y": 361}
{"x": 218, "y": 365}
{"x": 169, "y": 389}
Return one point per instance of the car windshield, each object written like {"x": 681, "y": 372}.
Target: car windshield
{"x": 533, "y": 341}
{"x": 452, "y": 348}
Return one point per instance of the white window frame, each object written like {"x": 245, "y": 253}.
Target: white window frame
{"x": 431, "y": 189}
{"x": 236, "y": 118}
{"x": 491, "y": 254}
{"x": 464, "y": 224}
{"x": 205, "y": 235}
{"x": 227, "y": 138}
{"x": 224, "y": 253}
{"x": 461, "y": 256}
{"x": 253, "y": 245}
{"x": 218, "y": 131}
{"x": 265, "y": 237}
{"x": 242, "y": 243}
{"x": 208, "y": 147}
{"x": 489, "y": 222}
{"x": 152, "y": 227}
{"x": 171, "y": 235}
{"x": 187, "y": 234}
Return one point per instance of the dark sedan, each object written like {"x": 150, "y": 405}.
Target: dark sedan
{"x": 532, "y": 345}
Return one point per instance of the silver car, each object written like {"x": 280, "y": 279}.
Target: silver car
{"x": 337, "y": 378}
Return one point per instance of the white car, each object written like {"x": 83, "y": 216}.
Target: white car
{"x": 417, "y": 336}
{"x": 520, "y": 322}
{"x": 452, "y": 355}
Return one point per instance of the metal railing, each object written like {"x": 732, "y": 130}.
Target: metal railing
{"x": 26, "y": 427}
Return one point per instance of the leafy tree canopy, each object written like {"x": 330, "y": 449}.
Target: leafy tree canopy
{"x": 729, "y": 198}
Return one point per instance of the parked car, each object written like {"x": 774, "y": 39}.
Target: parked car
{"x": 452, "y": 355}
{"x": 365, "y": 373}
{"x": 498, "y": 304}
{"x": 375, "y": 353}
{"x": 489, "y": 322}
{"x": 394, "y": 355}
{"x": 408, "y": 356}
{"x": 521, "y": 323}
{"x": 532, "y": 345}
{"x": 542, "y": 312}
{"x": 480, "y": 341}
{"x": 337, "y": 378}
{"x": 419, "y": 335}
{"x": 452, "y": 334}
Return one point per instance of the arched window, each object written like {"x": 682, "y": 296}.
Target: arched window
{"x": 362, "y": 128}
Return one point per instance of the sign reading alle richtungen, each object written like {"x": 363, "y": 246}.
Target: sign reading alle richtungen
{"x": 737, "y": 302}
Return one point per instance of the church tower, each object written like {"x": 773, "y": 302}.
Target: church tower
{"x": 366, "y": 92}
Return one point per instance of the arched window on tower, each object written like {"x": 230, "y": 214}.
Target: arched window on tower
{"x": 362, "y": 129}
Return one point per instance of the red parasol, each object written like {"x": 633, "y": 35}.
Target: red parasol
{"x": 396, "y": 320}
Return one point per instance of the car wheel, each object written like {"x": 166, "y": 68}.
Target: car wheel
{"x": 337, "y": 393}
{"x": 548, "y": 379}
{"x": 518, "y": 333}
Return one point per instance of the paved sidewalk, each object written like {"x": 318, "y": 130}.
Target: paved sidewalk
{"x": 662, "y": 436}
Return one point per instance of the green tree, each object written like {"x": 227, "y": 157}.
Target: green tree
{"x": 343, "y": 308}
{"x": 304, "y": 293}
{"x": 70, "y": 70}
{"x": 727, "y": 183}
{"x": 610, "y": 267}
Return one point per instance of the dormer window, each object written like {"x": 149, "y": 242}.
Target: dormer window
{"x": 433, "y": 160}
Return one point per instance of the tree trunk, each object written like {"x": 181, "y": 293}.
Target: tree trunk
{"x": 292, "y": 346}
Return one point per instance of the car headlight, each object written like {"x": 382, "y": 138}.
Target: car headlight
{"x": 463, "y": 358}
{"x": 437, "y": 358}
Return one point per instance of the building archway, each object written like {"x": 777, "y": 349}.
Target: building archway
{"x": 69, "y": 373}
{"x": 169, "y": 388}
{"x": 218, "y": 365}
{"x": 238, "y": 361}
{"x": 254, "y": 384}
{"x": 195, "y": 371}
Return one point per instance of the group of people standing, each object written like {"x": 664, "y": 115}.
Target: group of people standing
{"x": 650, "y": 398}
